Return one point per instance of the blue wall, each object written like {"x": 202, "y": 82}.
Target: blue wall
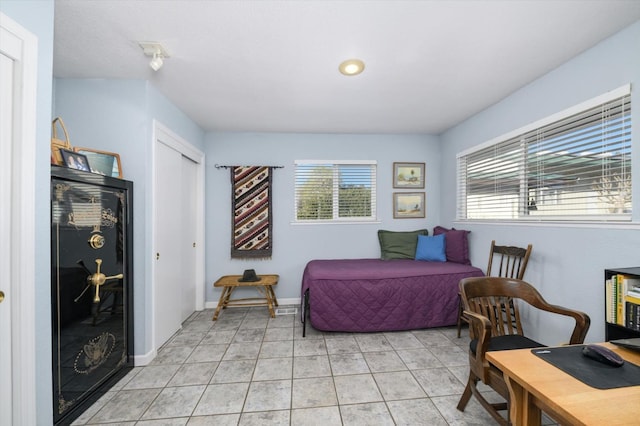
{"x": 568, "y": 262}
{"x": 117, "y": 116}
{"x": 295, "y": 245}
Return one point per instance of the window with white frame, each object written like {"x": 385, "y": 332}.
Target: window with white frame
{"x": 572, "y": 166}
{"x": 335, "y": 191}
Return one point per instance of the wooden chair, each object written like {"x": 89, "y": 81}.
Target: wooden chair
{"x": 512, "y": 264}
{"x": 493, "y": 306}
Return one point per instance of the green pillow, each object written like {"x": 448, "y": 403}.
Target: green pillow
{"x": 399, "y": 245}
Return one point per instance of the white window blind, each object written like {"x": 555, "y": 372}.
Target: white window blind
{"x": 575, "y": 165}
{"x": 335, "y": 191}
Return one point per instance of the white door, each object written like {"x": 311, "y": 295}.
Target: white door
{"x": 189, "y": 236}
{"x": 6, "y": 129}
{"x": 178, "y": 230}
{"x": 168, "y": 225}
{"x": 18, "y": 76}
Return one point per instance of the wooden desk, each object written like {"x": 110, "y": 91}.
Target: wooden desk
{"x": 230, "y": 283}
{"x": 536, "y": 385}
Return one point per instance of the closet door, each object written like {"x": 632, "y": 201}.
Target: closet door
{"x": 189, "y": 237}
{"x": 178, "y": 228}
{"x": 168, "y": 257}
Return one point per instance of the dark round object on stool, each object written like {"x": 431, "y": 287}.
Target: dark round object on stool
{"x": 249, "y": 275}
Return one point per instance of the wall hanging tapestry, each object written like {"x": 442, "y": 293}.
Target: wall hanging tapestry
{"x": 251, "y": 209}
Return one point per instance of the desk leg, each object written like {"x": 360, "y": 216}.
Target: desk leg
{"x": 522, "y": 410}
{"x": 224, "y": 299}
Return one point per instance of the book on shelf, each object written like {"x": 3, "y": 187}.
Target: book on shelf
{"x": 634, "y": 293}
{"x": 613, "y": 301}
{"x": 620, "y": 305}
{"x": 610, "y": 301}
{"x": 621, "y": 291}
{"x": 632, "y": 299}
{"x": 631, "y": 284}
{"x": 632, "y": 320}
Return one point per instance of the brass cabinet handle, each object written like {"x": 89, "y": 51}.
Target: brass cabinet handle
{"x": 1, "y": 296}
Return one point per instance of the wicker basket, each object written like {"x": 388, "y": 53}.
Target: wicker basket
{"x": 57, "y": 144}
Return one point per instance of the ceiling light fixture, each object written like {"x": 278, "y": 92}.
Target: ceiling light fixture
{"x": 156, "y": 51}
{"x": 351, "y": 67}
{"x": 156, "y": 63}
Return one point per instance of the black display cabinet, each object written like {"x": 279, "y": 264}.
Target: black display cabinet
{"x": 91, "y": 287}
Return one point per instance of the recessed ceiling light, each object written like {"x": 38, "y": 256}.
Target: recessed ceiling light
{"x": 351, "y": 67}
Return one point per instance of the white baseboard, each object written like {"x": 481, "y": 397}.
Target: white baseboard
{"x": 142, "y": 360}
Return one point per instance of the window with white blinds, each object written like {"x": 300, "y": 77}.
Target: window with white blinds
{"x": 335, "y": 191}
{"x": 573, "y": 166}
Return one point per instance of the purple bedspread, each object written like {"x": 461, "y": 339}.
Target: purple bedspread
{"x": 366, "y": 295}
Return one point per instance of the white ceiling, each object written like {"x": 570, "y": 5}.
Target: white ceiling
{"x": 272, "y": 66}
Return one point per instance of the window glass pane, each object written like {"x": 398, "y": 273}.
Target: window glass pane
{"x": 314, "y": 192}
{"x": 577, "y": 167}
{"x": 354, "y": 196}
{"x": 331, "y": 192}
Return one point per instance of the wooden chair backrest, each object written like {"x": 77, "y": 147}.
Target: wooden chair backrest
{"x": 497, "y": 299}
{"x": 512, "y": 261}
{"x": 503, "y": 313}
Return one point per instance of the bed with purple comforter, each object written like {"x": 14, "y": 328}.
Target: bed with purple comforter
{"x": 367, "y": 295}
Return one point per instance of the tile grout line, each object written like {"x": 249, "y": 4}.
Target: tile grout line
{"x": 245, "y": 323}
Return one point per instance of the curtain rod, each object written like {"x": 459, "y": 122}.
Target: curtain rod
{"x": 218, "y": 166}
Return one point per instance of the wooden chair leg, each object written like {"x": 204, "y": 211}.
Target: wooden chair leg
{"x": 466, "y": 396}
{"x": 491, "y": 408}
{"x": 460, "y": 316}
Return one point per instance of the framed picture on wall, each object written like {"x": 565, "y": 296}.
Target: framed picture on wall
{"x": 408, "y": 175}
{"x": 408, "y": 205}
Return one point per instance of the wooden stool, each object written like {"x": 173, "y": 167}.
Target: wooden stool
{"x": 264, "y": 286}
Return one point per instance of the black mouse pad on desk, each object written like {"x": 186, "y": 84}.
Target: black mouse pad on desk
{"x": 593, "y": 373}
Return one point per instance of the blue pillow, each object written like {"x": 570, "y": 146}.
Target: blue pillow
{"x": 431, "y": 248}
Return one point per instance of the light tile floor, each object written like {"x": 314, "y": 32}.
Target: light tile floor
{"x": 249, "y": 369}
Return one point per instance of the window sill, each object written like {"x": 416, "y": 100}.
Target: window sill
{"x": 336, "y": 222}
